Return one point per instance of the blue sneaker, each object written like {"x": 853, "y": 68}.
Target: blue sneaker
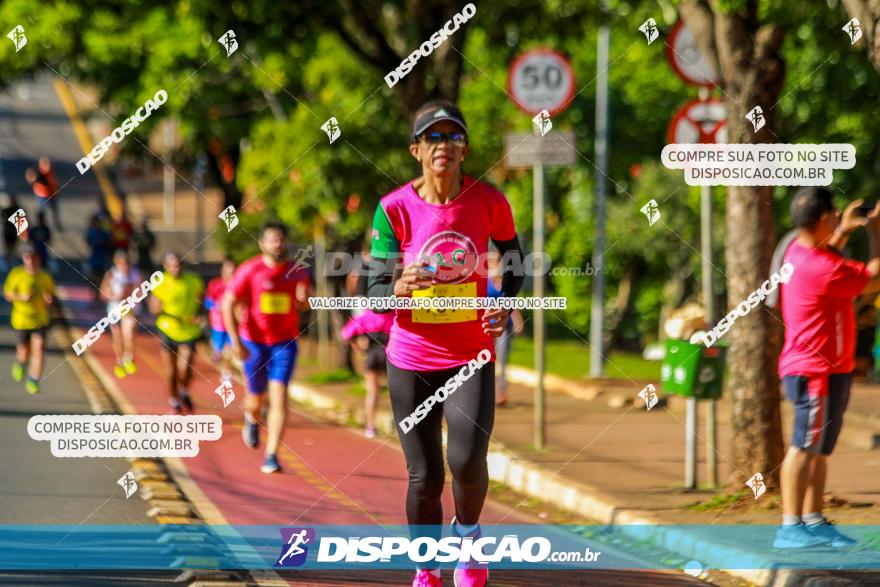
{"x": 250, "y": 433}
{"x": 827, "y": 532}
{"x": 270, "y": 465}
{"x": 796, "y": 536}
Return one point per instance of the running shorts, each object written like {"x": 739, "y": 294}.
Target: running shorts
{"x": 268, "y": 362}
{"x": 219, "y": 340}
{"x": 819, "y": 404}
{"x": 24, "y": 336}
{"x": 375, "y": 359}
{"x": 171, "y": 344}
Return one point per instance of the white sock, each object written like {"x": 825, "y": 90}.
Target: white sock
{"x": 813, "y": 518}
{"x": 435, "y": 572}
{"x": 790, "y": 520}
{"x": 248, "y": 418}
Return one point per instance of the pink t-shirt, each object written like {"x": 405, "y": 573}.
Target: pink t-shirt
{"x": 368, "y": 322}
{"x": 455, "y": 237}
{"x": 268, "y": 295}
{"x": 214, "y": 293}
{"x": 817, "y": 308}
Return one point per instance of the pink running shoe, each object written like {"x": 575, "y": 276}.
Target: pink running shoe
{"x": 470, "y": 573}
{"x": 471, "y": 577}
{"x": 426, "y": 579}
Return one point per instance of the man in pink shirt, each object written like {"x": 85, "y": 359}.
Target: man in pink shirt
{"x": 817, "y": 359}
{"x": 269, "y": 289}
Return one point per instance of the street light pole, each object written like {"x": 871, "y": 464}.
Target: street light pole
{"x": 597, "y": 315}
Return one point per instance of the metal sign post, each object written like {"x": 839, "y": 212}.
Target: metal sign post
{"x": 523, "y": 151}
{"x": 699, "y": 121}
{"x": 540, "y": 80}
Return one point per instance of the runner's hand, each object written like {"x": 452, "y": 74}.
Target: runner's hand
{"x": 495, "y": 321}
{"x": 850, "y": 220}
{"x": 872, "y": 218}
{"x": 415, "y": 276}
{"x": 240, "y": 352}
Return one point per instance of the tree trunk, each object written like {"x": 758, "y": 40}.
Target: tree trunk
{"x": 868, "y": 13}
{"x": 752, "y": 74}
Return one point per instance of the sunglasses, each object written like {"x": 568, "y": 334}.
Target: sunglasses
{"x": 435, "y": 138}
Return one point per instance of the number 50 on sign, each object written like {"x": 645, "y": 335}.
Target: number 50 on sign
{"x": 541, "y": 79}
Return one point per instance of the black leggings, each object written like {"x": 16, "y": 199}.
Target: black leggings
{"x": 470, "y": 415}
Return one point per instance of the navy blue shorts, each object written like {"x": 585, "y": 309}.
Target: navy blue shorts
{"x": 268, "y": 362}
{"x": 819, "y": 404}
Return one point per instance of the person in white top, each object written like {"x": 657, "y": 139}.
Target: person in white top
{"x": 118, "y": 283}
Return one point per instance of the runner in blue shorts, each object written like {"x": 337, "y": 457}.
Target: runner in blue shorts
{"x": 269, "y": 289}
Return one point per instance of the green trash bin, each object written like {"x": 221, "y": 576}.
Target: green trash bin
{"x": 692, "y": 370}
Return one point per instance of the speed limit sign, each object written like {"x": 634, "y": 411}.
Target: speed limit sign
{"x": 540, "y": 79}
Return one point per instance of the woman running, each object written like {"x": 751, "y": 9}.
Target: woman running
{"x": 441, "y": 223}
{"x": 119, "y": 282}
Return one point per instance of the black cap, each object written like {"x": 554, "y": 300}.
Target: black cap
{"x": 436, "y": 114}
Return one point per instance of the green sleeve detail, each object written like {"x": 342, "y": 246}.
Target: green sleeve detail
{"x": 383, "y": 243}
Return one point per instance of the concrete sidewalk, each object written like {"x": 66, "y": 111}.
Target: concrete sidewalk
{"x": 623, "y": 465}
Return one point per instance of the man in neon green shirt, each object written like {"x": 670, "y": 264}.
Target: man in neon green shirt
{"x": 176, "y": 302}
{"x": 31, "y": 291}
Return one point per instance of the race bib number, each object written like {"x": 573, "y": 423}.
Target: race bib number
{"x": 274, "y": 302}
{"x": 443, "y": 315}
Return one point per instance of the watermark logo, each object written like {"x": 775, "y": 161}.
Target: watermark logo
{"x": 756, "y": 117}
{"x": 226, "y": 393}
{"x": 300, "y": 261}
{"x": 122, "y": 131}
{"x": 439, "y": 396}
{"x": 649, "y": 28}
{"x": 587, "y": 270}
{"x": 17, "y": 37}
{"x": 229, "y": 42}
{"x": 542, "y": 122}
{"x": 426, "y": 48}
{"x": 331, "y": 127}
{"x": 229, "y": 217}
{"x": 649, "y": 394}
{"x": 652, "y": 211}
{"x": 756, "y": 484}
{"x": 128, "y": 484}
{"x": 293, "y": 548}
{"x": 745, "y": 307}
{"x": 116, "y": 314}
{"x": 19, "y": 221}
{"x": 853, "y": 29}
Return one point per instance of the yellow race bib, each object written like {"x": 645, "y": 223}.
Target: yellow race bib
{"x": 274, "y": 302}
{"x": 441, "y": 315}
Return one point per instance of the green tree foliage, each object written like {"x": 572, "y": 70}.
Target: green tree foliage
{"x": 300, "y": 63}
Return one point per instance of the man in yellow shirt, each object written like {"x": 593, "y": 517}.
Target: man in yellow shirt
{"x": 31, "y": 291}
{"x": 176, "y": 302}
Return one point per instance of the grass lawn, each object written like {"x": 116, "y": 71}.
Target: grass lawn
{"x": 572, "y": 359}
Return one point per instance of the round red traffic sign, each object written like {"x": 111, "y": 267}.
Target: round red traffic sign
{"x": 699, "y": 121}
{"x": 687, "y": 60}
{"x": 540, "y": 79}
